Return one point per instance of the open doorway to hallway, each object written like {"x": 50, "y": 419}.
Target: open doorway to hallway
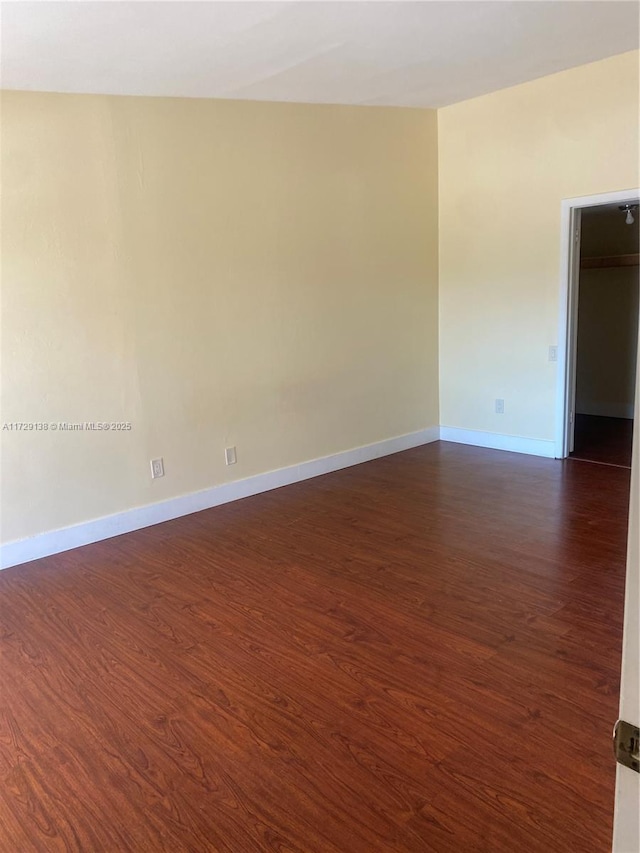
{"x": 599, "y": 293}
{"x": 607, "y": 334}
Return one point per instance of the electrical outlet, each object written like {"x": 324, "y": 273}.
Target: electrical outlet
{"x": 230, "y": 456}
{"x": 499, "y": 407}
{"x": 157, "y": 468}
{"x": 553, "y": 353}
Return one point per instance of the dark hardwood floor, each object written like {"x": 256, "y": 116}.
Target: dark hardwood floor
{"x": 604, "y": 440}
{"x": 417, "y": 654}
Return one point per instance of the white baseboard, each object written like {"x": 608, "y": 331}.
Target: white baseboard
{"x": 55, "y": 541}
{"x": 606, "y": 410}
{"x": 498, "y": 441}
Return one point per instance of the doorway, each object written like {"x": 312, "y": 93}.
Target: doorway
{"x": 599, "y": 349}
{"x": 607, "y": 334}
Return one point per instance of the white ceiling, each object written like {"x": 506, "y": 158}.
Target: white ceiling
{"x": 421, "y": 54}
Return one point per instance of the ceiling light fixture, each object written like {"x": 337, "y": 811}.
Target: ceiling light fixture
{"x": 629, "y": 209}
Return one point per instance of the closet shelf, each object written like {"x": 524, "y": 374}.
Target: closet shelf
{"x": 610, "y": 261}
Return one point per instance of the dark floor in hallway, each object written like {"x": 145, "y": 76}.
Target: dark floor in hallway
{"x": 606, "y": 440}
{"x": 420, "y": 653}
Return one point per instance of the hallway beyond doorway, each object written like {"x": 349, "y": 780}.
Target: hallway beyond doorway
{"x": 604, "y": 440}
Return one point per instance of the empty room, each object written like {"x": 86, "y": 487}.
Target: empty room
{"x": 314, "y": 319}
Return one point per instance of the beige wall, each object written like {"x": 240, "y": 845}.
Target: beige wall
{"x": 506, "y": 162}
{"x": 217, "y": 273}
{"x": 626, "y": 827}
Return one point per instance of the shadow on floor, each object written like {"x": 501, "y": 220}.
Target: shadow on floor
{"x": 604, "y": 440}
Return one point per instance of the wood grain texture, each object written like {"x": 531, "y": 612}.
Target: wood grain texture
{"x": 417, "y": 654}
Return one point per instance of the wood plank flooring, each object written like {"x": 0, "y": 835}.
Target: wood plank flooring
{"x": 416, "y": 654}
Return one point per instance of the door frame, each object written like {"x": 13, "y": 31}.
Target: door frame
{"x": 570, "y": 214}
{"x": 626, "y": 826}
